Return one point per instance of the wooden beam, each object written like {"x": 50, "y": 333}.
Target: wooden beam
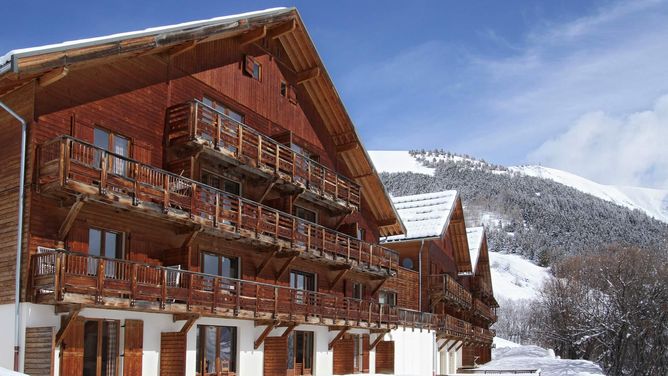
{"x": 190, "y": 239}
{"x": 282, "y": 29}
{"x": 375, "y": 290}
{"x": 459, "y": 347}
{"x": 253, "y": 36}
{"x": 190, "y": 320}
{"x": 181, "y": 48}
{"x": 66, "y": 226}
{"x": 445, "y": 343}
{"x": 267, "y": 190}
{"x": 348, "y": 146}
{"x": 363, "y": 175}
{"x": 376, "y": 341}
{"x": 266, "y": 261}
{"x": 340, "y": 335}
{"x": 338, "y": 277}
{"x": 52, "y": 76}
{"x": 307, "y": 75}
{"x": 386, "y": 222}
{"x": 453, "y": 345}
{"x": 285, "y": 267}
{"x": 183, "y": 316}
{"x": 66, "y": 325}
{"x": 264, "y": 335}
{"x": 289, "y": 329}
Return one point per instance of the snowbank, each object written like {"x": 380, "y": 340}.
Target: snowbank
{"x": 500, "y": 343}
{"x": 534, "y": 357}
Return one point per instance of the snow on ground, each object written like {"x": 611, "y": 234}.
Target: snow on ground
{"x": 534, "y": 357}
{"x": 654, "y": 202}
{"x": 398, "y": 161}
{"x": 500, "y": 342}
{"x": 514, "y": 277}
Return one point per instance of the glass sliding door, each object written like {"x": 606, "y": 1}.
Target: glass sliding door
{"x": 300, "y": 353}
{"x": 100, "y": 352}
{"x": 216, "y": 350}
{"x": 302, "y": 282}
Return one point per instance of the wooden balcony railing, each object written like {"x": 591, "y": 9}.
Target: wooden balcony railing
{"x": 417, "y": 319}
{"x": 483, "y": 335}
{"x": 82, "y": 168}
{"x": 59, "y": 276}
{"x": 453, "y": 327}
{"x": 483, "y": 310}
{"x": 195, "y": 120}
{"x": 451, "y": 289}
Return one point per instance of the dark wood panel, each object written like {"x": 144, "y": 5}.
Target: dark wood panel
{"x": 39, "y": 346}
{"x": 133, "y": 348}
{"x": 385, "y": 357}
{"x": 172, "y": 354}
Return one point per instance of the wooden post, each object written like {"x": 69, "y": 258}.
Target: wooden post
{"x": 190, "y": 291}
{"x": 238, "y": 302}
{"x": 258, "y": 220}
{"x": 259, "y": 150}
{"x": 277, "y": 219}
{"x": 194, "y": 109}
{"x": 241, "y": 140}
{"x": 216, "y": 284}
{"x": 239, "y": 214}
{"x": 193, "y": 199}
{"x": 275, "y": 302}
{"x": 163, "y": 289}
{"x": 133, "y": 284}
{"x": 277, "y": 158}
{"x": 100, "y": 280}
{"x": 216, "y": 138}
{"x": 66, "y": 159}
{"x": 103, "y": 172}
{"x": 165, "y": 192}
{"x": 56, "y": 277}
{"x": 216, "y": 211}
{"x": 61, "y": 161}
{"x": 135, "y": 184}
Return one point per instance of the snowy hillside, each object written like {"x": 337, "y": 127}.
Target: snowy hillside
{"x": 514, "y": 277}
{"x": 654, "y": 202}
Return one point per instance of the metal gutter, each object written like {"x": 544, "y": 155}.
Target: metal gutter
{"x": 19, "y": 233}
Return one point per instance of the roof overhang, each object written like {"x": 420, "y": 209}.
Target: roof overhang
{"x": 19, "y": 66}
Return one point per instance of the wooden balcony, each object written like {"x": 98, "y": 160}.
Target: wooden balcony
{"x": 447, "y": 289}
{"x": 417, "y": 319}
{"x": 483, "y": 310}
{"x": 196, "y": 124}
{"x": 61, "y": 277}
{"x": 456, "y": 329}
{"x": 67, "y": 166}
{"x": 483, "y": 336}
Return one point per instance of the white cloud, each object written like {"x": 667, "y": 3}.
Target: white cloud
{"x": 628, "y": 150}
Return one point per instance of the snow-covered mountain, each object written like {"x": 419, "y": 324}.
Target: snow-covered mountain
{"x": 514, "y": 277}
{"x": 654, "y": 202}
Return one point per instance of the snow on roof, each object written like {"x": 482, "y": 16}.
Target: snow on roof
{"x": 474, "y": 237}
{"x": 424, "y": 215}
{"x": 134, "y": 34}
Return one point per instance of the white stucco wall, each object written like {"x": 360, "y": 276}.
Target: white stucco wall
{"x": 415, "y": 352}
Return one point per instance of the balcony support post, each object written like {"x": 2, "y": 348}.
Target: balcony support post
{"x": 284, "y": 268}
{"x": 72, "y": 214}
{"x": 375, "y": 290}
{"x": 266, "y": 260}
{"x": 379, "y": 338}
{"x": 268, "y": 189}
{"x": 338, "y": 277}
{"x": 264, "y": 335}
{"x": 66, "y": 325}
{"x": 454, "y": 344}
{"x": 338, "y": 337}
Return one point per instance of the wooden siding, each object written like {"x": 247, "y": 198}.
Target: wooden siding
{"x": 172, "y": 354}
{"x": 72, "y": 350}
{"x": 275, "y": 356}
{"x": 385, "y": 357}
{"x": 21, "y": 101}
{"x": 133, "y": 348}
{"x": 39, "y": 347}
{"x": 343, "y": 352}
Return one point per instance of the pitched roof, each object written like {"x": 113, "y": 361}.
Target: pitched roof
{"x": 424, "y": 215}
{"x": 22, "y": 65}
{"x": 474, "y": 236}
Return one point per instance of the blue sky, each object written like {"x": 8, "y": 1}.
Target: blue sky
{"x": 576, "y": 85}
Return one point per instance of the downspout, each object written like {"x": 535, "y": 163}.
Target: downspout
{"x": 420, "y": 276}
{"x": 19, "y": 234}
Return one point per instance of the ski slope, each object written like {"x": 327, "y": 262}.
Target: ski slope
{"x": 654, "y": 202}
{"x": 514, "y": 277}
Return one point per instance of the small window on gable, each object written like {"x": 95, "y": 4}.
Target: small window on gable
{"x": 253, "y": 68}
{"x": 284, "y": 89}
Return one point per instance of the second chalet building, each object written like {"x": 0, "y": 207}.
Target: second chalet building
{"x": 198, "y": 202}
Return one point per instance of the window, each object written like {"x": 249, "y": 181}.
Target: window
{"x": 361, "y": 233}
{"x": 387, "y": 297}
{"x": 305, "y": 214}
{"x": 107, "y": 244}
{"x": 253, "y": 68}
{"x": 115, "y": 144}
{"x": 284, "y": 89}
{"x": 219, "y": 182}
{"x": 358, "y": 356}
{"x": 358, "y": 291}
{"x": 220, "y": 265}
{"x": 222, "y": 109}
{"x": 100, "y": 347}
{"x": 216, "y": 350}
{"x": 302, "y": 282}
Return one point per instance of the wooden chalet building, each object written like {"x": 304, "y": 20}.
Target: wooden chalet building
{"x": 198, "y": 202}
{"x": 450, "y": 265}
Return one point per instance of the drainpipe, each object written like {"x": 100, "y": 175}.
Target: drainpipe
{"x": 19, "y": 234}
{"x": 420, "y": 276}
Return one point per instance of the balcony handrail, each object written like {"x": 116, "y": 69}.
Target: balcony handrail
{"x": 450, "y": 285}
{"x": 388, "y": 253}
{"x": 278, "y": 144}
{"x": 61, "y": 264}
{"x": 484, "y": 309}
